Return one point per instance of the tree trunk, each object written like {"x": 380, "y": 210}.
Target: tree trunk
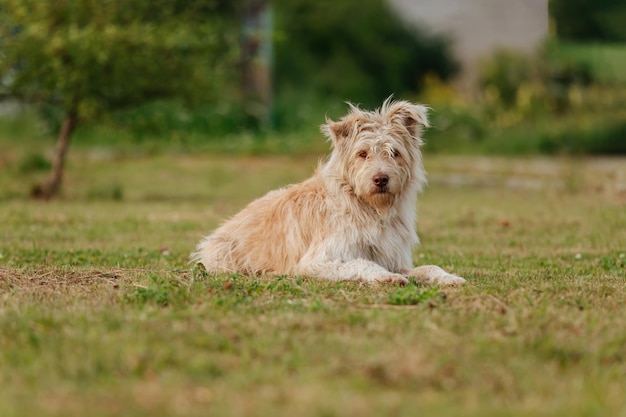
{"x": 51, "y": 187}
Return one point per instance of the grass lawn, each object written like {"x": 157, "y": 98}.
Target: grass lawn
{"x": 100, "y": 314}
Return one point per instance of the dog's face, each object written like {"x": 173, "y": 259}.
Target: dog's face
{"x": 378, "y": 153}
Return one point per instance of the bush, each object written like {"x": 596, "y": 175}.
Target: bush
{"x": 514, "y": 80}
{"x": 598, "y": 139}
{"x": 553, "y": 102}
{"x": 503, "y": 75}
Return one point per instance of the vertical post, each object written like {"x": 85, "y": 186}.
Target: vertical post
{"x": 257, "y": 63}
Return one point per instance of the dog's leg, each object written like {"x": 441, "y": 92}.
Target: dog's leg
{"x": 355, "y": 270}
{"x": 432, "y": 274}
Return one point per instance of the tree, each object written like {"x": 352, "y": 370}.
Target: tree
{"x": 91, "y": 56}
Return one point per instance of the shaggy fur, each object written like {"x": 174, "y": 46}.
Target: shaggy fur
{"x": 353, "y": 220}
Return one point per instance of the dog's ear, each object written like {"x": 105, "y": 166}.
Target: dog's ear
{"x": 336, "y": 131}
{"x": 411, "y": 116}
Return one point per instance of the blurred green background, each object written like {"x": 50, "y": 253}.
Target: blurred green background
{"x": 254, "y": 76}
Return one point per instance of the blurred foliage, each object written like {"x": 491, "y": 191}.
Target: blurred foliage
{"x": 503, "y": 75}
{"x": 33, "y": 162}
{"x": 532, "y": 83}
{"x": 91, "y": 56}
{"x": 584, "y": 20}
{"x": 601, "y": 138}
{"x": 353, "y": 50}
{"x": 167, "y": 72}
{"x": 172, "y": 67}
{"x": 551, "y": 102}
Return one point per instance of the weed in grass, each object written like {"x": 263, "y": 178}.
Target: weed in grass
{"x": 413, "y": 294}
{"x": 161, "y": 291}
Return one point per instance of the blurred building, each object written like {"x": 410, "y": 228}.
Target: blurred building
{"x": 479, "y": 27}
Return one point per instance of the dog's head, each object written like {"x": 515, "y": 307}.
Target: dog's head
{"x": 377, "y": 153}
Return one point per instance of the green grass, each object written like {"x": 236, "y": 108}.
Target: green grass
{"x": 101, "y": 315}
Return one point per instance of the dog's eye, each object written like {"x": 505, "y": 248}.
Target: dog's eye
{"x": 362, "y": 154}
{"x": 395, "y": 154}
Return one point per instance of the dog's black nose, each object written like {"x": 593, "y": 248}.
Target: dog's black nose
{"x": 380, "y": 180}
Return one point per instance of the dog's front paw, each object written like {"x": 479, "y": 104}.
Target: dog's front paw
{"x": 448, "y": 279}
{"x": 391, "y": 278}
{"x": 432, "y": 274}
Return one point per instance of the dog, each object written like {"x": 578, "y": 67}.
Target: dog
{"x": 354, "y": 219}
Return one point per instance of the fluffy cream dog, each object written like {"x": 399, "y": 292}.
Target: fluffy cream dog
{"x": 353, "y": 220}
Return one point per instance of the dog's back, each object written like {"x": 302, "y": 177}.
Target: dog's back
{"x": 270, "y": 235}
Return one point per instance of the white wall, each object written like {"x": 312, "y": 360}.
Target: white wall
{"x": 478, "y": 27}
